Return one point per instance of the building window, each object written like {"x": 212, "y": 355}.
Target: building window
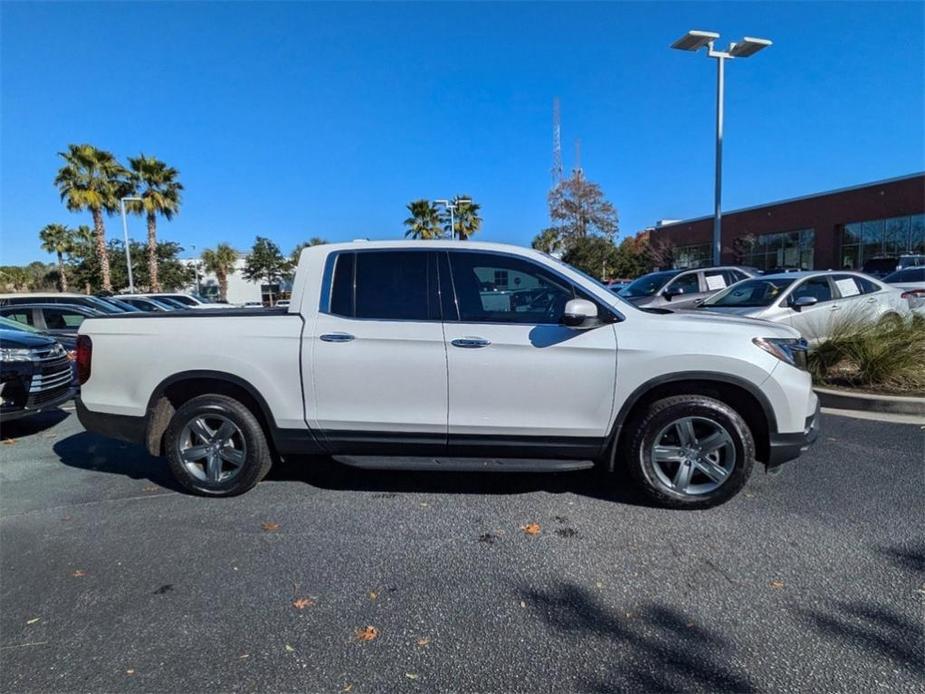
{"x": 881, "y": 238}
{"x": 700, "y": 255}
{"x": 788, "y": 249}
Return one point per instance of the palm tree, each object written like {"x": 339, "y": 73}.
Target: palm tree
{"x": 548, "y": 241}
{"x": 58, "y": 239}
{"x": 157, "y": 185}
{"x": 466, "y": 218}
{"x": 92, "y": 179}
{"x": 220, "y": 262}
{"x": 424, "y": 222}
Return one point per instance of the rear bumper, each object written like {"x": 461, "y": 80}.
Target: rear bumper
{"x": 786, "y": 447}
{"x": 115, "y": 426}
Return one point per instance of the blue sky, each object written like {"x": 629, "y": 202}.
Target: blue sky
{"x": 298, "y": 120}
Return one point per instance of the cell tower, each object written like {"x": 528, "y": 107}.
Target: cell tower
{"x": 556, "y": 142}
{"x": 578, "y": 170}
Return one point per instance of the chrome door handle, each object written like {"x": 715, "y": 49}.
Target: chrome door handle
{"x": 336, "y": 337}
{"x": 836, "y": 308}
{"x": 470, "y": 342}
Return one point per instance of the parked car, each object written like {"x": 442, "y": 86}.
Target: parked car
{"x": 911, "y": 281}
{"x": 35, "y": 374}
{"x": 284, "y": 303}
{"x": 187, "y": 301}
{"x": 59, "y": 321}
{"x": 882, "y": 266}
{"x": 682, "y": 288}
{"x": 814, "y": 303}
{"x": 99, "y": 303}
{"x": 144, "y": 303}
{"x": 616, "y": 285}
{"x": 397, "y": 359}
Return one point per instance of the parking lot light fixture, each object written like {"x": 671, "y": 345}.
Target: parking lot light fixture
{"x": 692, "y": 42}
{"x": 452, "y": 206}
{"x": 128, "y": 254}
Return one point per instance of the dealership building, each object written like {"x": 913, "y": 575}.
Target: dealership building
{"x": 838, "y": 229}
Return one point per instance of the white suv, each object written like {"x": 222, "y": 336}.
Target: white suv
{"x": 452, "y": 355}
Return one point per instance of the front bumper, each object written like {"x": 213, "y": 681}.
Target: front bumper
{"x": 11, "y": 414}
{"x": 786, "y": 447}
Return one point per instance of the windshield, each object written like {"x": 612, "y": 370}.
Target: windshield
{"x": 751, "y": 293}
{"x": 170, "y": 302}
{"x": 177, "y": 299}
{"x": 647, "y": 285}
{"x": 11, "y": 324}
{"x": 125, "y": 306}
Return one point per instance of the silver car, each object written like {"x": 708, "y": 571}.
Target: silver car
{"x": 911, "y": 281}
{"x": 812, "y": 302}
{"x": 682, "y": 288}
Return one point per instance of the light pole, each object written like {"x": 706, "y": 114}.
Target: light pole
{"x": 452, "y": 207}
{"x": 128, "y": 255}
{"x": 693, "y": 41}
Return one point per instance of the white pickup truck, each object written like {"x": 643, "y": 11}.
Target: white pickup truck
{"x": 451, "y": 355}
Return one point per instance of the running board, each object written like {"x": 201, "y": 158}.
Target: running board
{"x": 377, "y": 462}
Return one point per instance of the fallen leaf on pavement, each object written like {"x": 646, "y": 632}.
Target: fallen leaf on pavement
{"x": 411, "y": 675}
{"x": 9, "y": 442}
{"x": 150, "y": 488}
{"x": 776, "y": 584}
{"x": 523, "y": 604}
{"x": 347, "y": 687}
{"x": 531, "y": 528}
{"x": 244, "y": 655}
{"x": 78, "y": 573}
{"x": 289, "y": 649}
{"x": 269, "y": 527}
{"x": 302, "y": 603}
{"x": 367, "y": 633}
{"x": 373, "y": 595}
{"x": 129, "y": 672}
{"x": 33, "y": 620}
{"x": 423, "y": 641}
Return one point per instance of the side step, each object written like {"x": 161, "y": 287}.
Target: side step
{"x": 377, "y": 462}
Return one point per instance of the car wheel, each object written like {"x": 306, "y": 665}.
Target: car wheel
{"x": 216, "y": 446}
{"x": 691, "y": 451}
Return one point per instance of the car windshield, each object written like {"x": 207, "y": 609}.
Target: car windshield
{"x": 907, "y": 275}
{"x": 177, "y": 299}
{"x": 125, "y": 306}
{"x": 103, "y": 305}
{"x": 647, "y": 285}
{"x": 751, "y": 293}
{"x": 10, "y": 324}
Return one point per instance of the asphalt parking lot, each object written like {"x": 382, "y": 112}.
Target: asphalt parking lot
{"x": 112, "y": 580}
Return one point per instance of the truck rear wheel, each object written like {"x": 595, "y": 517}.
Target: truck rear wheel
{"x": 691, "y": 451}
{"x": 216, "y": 446}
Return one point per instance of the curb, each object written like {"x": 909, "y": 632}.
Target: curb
{"x": 868, "y": 402}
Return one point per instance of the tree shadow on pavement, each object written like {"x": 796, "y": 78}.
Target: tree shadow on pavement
{"x": 875, "y": 629}
{"x": 911, "y": 558}
{"x": 654, "y": 648}
{"x": 33, "y": 424}
{"x": 326, "y": 473}
{"x": 87, "y": 451}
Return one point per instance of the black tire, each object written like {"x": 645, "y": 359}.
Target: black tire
{"x": 704, "y": 410}
{"x": 250, "y": 436}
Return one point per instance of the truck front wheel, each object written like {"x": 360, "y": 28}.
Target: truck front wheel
{"x": 216, "y": 446}
{"x": 691, "y": 451}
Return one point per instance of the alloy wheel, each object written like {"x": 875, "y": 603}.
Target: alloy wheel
{"x": 212, "y": 448}
{"x": 693, "y": 455}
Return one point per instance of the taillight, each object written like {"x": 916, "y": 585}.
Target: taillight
{"x": 84, "y": 356}
{"x": 914, "y": 294}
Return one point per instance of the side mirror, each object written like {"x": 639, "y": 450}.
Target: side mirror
{"x": 670, "y": 294}
{"x": 580, "y": 314}
{"x": 803, "y": 302}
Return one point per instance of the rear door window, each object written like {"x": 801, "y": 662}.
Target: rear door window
{"x": 62, "y": 319}
{"x": 20, "y": 316}
{"x": 385, "y": 285}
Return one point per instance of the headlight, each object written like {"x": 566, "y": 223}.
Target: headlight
{"x": 15, "y": 354}
{"x": 789, "y": 349}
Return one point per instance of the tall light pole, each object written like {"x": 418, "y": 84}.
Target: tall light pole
{"x": 128, "y": 255}
{"x": 693, "y": 41}
{"x": 452, "y": 206}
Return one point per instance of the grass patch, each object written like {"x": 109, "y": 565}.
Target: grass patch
{"x": 888, "y": 356}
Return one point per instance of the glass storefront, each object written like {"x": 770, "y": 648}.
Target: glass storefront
{"x": 787, "y": 249}
{"x": 881, "y": 238}
{"x": 686, "y": 257}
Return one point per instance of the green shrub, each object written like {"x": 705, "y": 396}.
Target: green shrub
{"x": 889, "y": 354}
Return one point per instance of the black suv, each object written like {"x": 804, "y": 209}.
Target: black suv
{"x": 35, "y": 374}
